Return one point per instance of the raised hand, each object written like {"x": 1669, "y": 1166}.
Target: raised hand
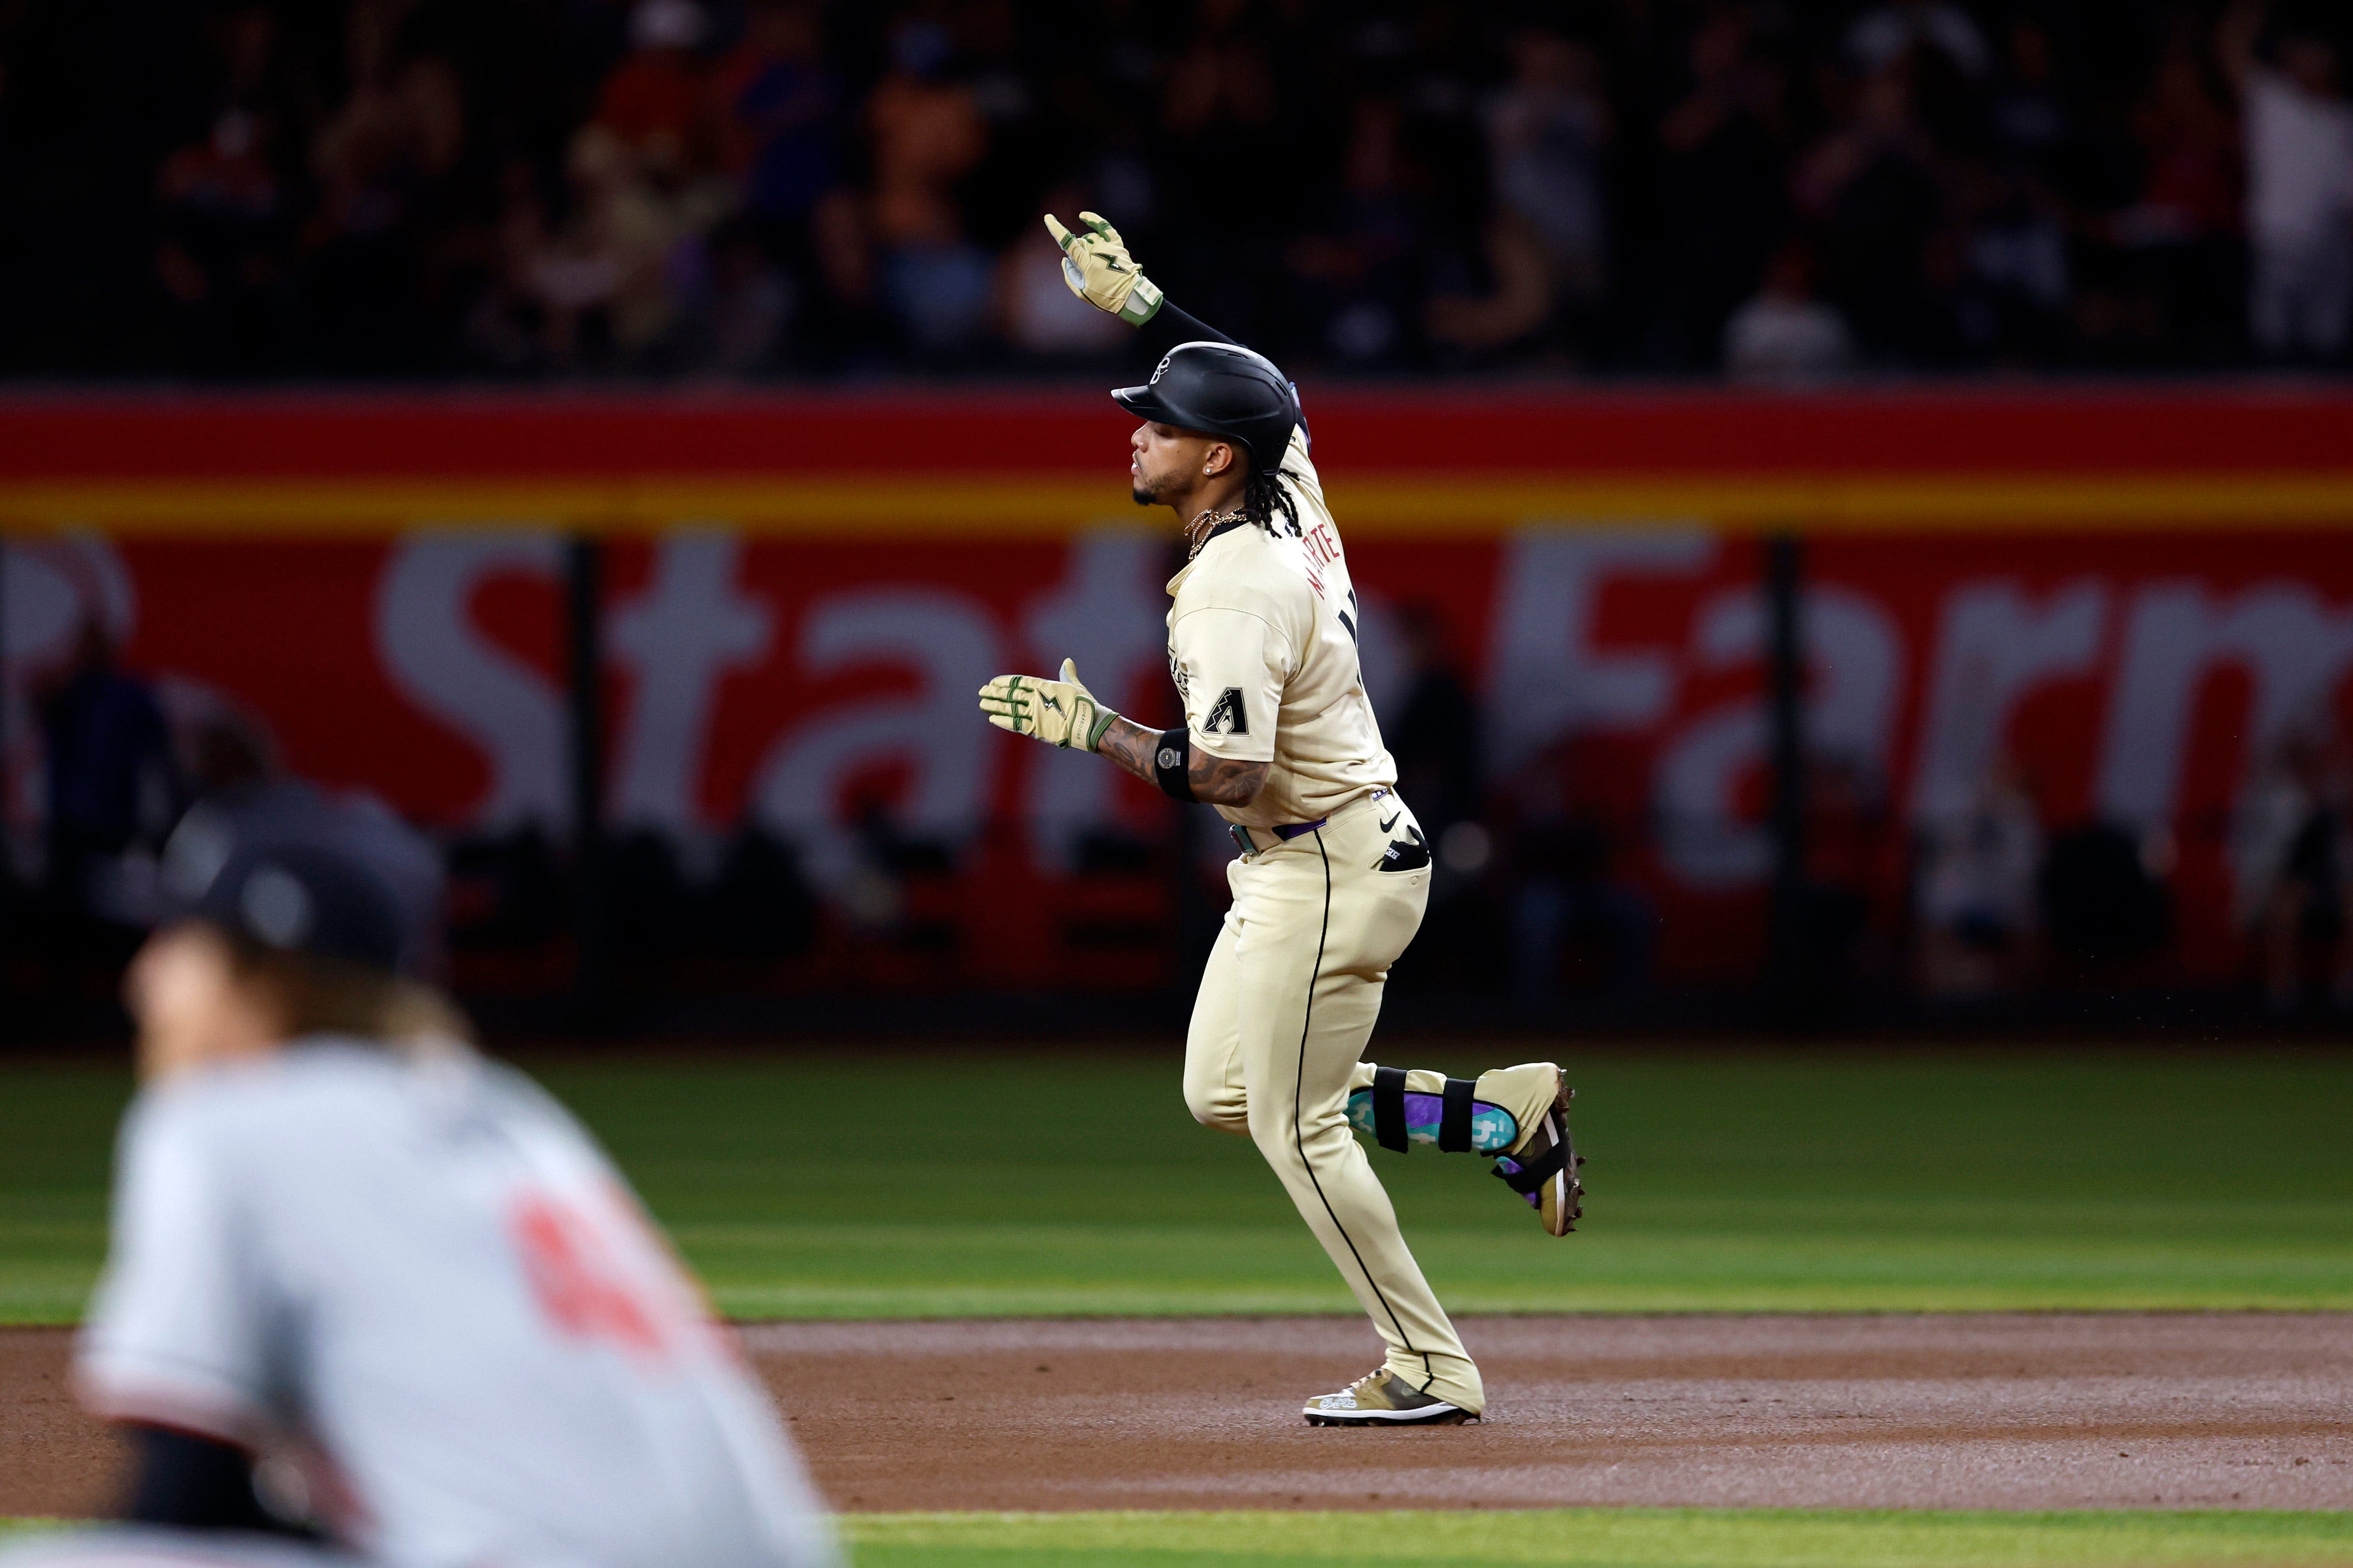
{"x": 1097, "y": 267}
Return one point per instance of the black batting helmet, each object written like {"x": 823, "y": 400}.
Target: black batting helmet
{"x": 1223, "y": 389}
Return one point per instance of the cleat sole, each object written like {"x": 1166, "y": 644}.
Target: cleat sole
{"x": 1564, "y": 1203}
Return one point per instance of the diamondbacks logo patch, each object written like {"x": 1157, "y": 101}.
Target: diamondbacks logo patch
{"x": 1226, "y": 716}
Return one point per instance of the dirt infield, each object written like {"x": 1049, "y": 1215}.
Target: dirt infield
{"x": 1992, "y": 1411}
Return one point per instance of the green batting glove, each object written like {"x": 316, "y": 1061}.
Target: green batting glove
{"x": 1059, "y": 713}
{"x": 1098, "y": 268}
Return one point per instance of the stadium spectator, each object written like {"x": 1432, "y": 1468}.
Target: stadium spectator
{"x": 1570, "y": 908}
{"x": 1877, "y": 187}
{"x": 2294, "y": 848}
{"x": 2027, "y": 117}
{"x": 2299, "y": 137}
{"x": 1974, "y": 888}
{"x": 1438, "y": 738}
{"x": 1848, "y": 853}
{"x": 1723, "y": 177}
{"x": 733, "y": 304}
{"x": 780, "y": 108}
{"x": 2014, "y": 286}
{"x": 653, "y": 103}
{"x": 925, "y": 131}
{"x": 221, "y": 256}
{"x": 999, "y": 196}
{"x": 625, "y": 279}
{"x": 382, "y": 162}
{"x": 1361, "y": 266}
{"x": 1520, "y": 300}
{"x": 601, "y": 282}
{"x": 1785, "y": 334}
{"x": 2179, "y": 240}
{"x": 114, "y": 791}
{"x": 501, "y": 329}
{"x": 1225, "y": 152}
{"x": 1547, "y": 132}
{"x": 226, "y": 213}
{"x": 338, "y": 189}
{"x": 1887, "y": 34}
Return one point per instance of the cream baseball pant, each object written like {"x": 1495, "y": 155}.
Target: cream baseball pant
{"x": 1286, "y": 1005}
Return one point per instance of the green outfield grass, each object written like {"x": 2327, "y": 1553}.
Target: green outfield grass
{"x": 1595, "y": 1538}
{"x": 981, "y": 1182}
{"x": 1601, "y": 1538}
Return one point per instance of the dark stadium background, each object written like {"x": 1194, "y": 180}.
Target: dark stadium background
{"x": 520, "y": 188}
{"x": 1847, "y": 320}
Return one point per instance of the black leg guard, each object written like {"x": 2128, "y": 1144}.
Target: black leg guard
{"x": 1454, "y": 1118}
{"x": 1388, "y": 1109}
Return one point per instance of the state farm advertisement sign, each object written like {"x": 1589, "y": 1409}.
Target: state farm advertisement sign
{"x": 2142, "y": 679}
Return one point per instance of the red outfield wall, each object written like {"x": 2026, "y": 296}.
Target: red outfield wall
{"x": 2136, "y": 594}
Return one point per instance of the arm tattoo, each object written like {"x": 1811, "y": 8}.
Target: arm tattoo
{"x": 1130, "y": 746}
{"x": 1216, "y": 780}
{"x": 1223, "y": 781}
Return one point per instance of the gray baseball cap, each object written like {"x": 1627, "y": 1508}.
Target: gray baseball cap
{"x": 297, "y": 871}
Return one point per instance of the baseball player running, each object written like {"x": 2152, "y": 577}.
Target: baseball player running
{"x": 1333, "y": 875}
{"x": 372, "y": 1301}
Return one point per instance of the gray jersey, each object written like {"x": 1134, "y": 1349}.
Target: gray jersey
{"x": 419, "y": 1277}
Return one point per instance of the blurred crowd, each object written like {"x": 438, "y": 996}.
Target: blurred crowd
{"x": 735, "y": 187}
{"x": 1544, "y": 891}
{"x": 1969, "y": 898}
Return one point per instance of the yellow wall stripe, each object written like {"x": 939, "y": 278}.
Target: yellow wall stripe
{"x": 1415, "y": 506}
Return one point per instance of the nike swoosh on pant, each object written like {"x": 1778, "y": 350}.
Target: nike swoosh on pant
{"x": 1390, "y": 822}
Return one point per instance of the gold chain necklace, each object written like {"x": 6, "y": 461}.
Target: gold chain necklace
{"x": 1198, "y": 532}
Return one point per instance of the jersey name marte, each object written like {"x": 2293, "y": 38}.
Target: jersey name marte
{"x": 1263, "y": 640}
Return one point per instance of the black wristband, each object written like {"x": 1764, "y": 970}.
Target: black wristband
{"x": 1171, "y": 765}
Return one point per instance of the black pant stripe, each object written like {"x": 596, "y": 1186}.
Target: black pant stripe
{"x": 1299, "y": 1135}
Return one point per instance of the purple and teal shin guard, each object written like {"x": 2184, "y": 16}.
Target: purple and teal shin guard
{"x": 1455, "y": 1121}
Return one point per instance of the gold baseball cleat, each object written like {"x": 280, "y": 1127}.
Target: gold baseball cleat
{"x": 1384, "y": 1399}
{"x": 1543, "y": 1169}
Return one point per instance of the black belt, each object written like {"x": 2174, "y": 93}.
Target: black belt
{"x": 1286, "y": 831}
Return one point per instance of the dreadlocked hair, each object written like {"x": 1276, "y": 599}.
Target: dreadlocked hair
{"x": 1264, "y": 495}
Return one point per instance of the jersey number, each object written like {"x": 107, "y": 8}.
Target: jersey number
{"x": 579, "y": 1275}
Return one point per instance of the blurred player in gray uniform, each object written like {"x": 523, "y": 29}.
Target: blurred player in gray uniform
{"x": 1333, "y": 873}
{"x": 373, "y": 1301}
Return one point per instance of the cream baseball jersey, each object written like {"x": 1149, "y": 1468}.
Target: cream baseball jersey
{"x": 420, "y": 1274}
{"x": 1262, "y": 644}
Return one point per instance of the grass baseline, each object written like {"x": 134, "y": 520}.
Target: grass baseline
{"x": 1594, "y": 1538}
{"x": 1607, "y": 1538}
